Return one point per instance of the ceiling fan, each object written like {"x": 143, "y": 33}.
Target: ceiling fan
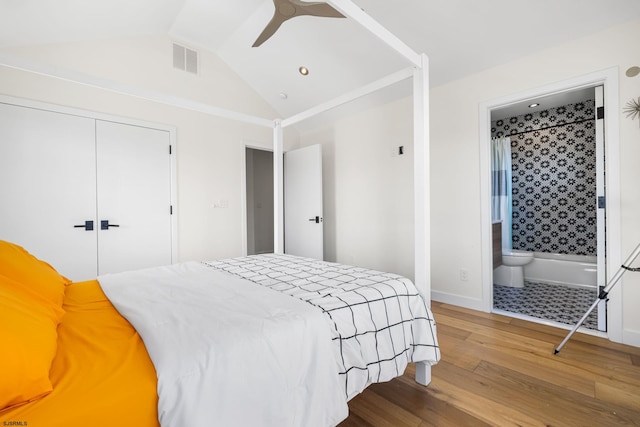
{"x": 287, "y": 9}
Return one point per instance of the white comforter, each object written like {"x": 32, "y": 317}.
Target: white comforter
{"x": 229, "y": 352}
{"x": 378, "y": 321}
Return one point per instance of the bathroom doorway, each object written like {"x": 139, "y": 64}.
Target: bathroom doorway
{"x": 559, "y": 202}
{"x": 556, "y": 179}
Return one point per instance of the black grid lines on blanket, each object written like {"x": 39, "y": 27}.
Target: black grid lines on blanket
{"x": 379, "y": 321}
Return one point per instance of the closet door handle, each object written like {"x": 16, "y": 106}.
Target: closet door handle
{"x": 316, "y": 220}
{"x": 104, "y": 224}
{"x": 88, "y": 225}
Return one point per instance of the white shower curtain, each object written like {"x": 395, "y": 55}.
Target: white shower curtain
{"x": 501, "y": 186}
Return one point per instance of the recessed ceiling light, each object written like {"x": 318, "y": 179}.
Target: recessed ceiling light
{"x": 303, "y": 70}
{"x": 535, "y": 104}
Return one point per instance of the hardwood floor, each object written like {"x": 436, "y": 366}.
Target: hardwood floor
{"x": 501, "y": 371}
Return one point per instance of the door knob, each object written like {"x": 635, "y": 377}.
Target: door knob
{"x": 88, "y": 225}
{"x": 317, "y": 220}
{"x": 104, "y": 224}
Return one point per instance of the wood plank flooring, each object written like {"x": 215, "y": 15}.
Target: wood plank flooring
{"x": 501, "y": 371}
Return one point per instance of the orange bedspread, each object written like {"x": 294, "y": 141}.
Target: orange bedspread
{"x": 101, "y": 374}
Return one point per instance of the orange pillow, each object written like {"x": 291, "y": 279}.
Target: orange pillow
{"x": 18, "y": 264}
{"x": 29, "y": 340}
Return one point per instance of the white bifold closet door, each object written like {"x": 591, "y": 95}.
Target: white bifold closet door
{"x": 63, "y": 174}
{"x": 47, "y": 161}
{"x": 134, "y": 197}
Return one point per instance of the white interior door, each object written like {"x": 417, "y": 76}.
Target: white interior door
{"x": 47, "y": 170}
{"x": 303, "y": 221}
{"x": 134, "y": 197}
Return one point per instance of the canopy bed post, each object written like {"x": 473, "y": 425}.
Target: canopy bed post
{"x": 278, "y": 188}
{"x": 421, "y": 193}
{"x": 421, "y": 151}
{"x": 421, "y": 176}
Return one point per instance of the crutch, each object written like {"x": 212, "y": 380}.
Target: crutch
{"x": 603, "y": 294}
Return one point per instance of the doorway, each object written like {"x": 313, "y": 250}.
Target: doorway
{"x": 555, "y": 156}
{"x": 530, "y": 223}
{"x": 259, "y": 200}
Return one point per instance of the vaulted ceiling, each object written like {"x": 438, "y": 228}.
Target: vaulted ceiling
{"x": 461, "y": 37}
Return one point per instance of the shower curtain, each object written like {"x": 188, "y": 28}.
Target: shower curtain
{"x": 501, "y": 186}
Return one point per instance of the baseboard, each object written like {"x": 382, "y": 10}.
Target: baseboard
{"x": 466, "y": 302}
{"x": 631, "y": 338}
{"x": 628, "y": 337}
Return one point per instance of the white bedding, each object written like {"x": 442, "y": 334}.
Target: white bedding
{"x": 378, "y": 321}
{"x": 228, "y": 352}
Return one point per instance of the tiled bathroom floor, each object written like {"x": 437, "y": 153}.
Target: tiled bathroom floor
{"x": 550, "y": 302}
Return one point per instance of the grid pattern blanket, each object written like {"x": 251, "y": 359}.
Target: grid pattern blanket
{"x": 379, "y": 322}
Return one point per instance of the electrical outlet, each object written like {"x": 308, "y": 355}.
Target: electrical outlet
{"x": 464, "y": 274}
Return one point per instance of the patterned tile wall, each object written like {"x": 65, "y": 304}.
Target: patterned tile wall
{"x": 554, "y": 178}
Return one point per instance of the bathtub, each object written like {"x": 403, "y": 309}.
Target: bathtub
{"x": 562, "y": 269}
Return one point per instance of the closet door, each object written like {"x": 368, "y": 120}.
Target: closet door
{"x": 134, "y": 197}
{"x": 48, "y": 191}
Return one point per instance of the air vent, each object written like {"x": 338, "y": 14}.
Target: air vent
{"x": 185, "y": 59}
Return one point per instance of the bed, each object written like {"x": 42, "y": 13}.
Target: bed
{"x": 270, "y": 340}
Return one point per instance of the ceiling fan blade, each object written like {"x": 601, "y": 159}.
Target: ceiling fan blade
{"x": 270, "y": 29}
{"x": 287, "y": 9}
{"x": 316, "y": 9}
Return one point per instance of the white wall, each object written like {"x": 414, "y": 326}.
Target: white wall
{"x": 455, "y": 167}
{"x": 368, "y": 192}
{"x": 368, "y": 199}
{"x": 210, "y": 150}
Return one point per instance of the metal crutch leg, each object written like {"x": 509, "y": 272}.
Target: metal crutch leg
{"x": 603, "y": 294}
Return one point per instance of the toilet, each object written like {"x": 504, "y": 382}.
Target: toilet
{"x": 511, "y": 272}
